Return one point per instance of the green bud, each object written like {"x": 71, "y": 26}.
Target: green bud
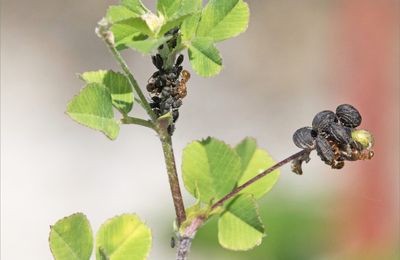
{"x": 364, "y": 137}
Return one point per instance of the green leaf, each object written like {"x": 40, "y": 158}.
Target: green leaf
{"x": 255, "y": 161}
{"x": 223, "y": 19}
{"x": 92, "y": 107}
{"x": 240, "y": 226}
{"x": 124, "y": 32}
{"x": 170, "y": 24}
{"x": 136, "y": 6}
{"x": 189, "y": 26}
{"x": 210, "y": 169}
{"x": 141, "y": 24}
{"x": 71, "y": 238}
{"x": 116, "y": 13}
{"x": 173, "y": 8}
{"x": 147, "y": 46}
{"x": 168, "y": 7}
{"x": 204, "y": 57}
{"x": 118, "y": 85}
{"x": 123, "y": 237}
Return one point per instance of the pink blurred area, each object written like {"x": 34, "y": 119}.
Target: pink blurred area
{"x": 296, "y": 59}
{"x": 367, "y": 69}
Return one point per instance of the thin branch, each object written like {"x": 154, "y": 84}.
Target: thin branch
{"x": 173, "y": 178}
{"x": 256, "y": 178}
{"x": 137, "y": 121}
{"x": 107, "y": 36}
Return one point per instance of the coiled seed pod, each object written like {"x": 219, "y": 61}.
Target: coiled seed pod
{"x": 324, "y": 150}
{"x": 323, "y": 120}
{"x": 303, "y": 138}
{"x": 339, "y": 133}
{"x": 348, "y": 115}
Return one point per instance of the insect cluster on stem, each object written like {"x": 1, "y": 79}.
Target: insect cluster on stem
{"x": 165, "y": 88}
{"x": 335, "y": 137}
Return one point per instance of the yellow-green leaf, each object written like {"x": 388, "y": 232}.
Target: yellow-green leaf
{"x": 71, "y": 238}
{"x": 210, "y": 168}
{"x": 92, "y": 107}
{"x": 118, "y": 85}
{"x": 223, "y": 19}
{"x": 254, "y": 161}
{"x": 240, "y": 226}
{"x": 123, "y": 237}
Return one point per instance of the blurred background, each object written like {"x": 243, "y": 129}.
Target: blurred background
{"x": 296, "y": 59}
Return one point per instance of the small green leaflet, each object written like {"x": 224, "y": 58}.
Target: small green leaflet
{"x": 92, "y": 107}
{"x": 123, "y": 237}
{"x": 71, "y": 238}
{"x": 223, "y": 19}
{"x": 210, "y": 169}
{"x": 204, "y": 57}
{"x": 239, "y": 225}
{"x": 118, "y": 85}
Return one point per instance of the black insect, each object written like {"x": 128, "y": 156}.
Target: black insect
{"x": 167, "y": 87}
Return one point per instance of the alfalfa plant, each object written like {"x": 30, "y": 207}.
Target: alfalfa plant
{"x": 226, "y": 181}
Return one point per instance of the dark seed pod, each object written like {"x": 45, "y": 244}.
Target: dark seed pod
{"x": 175, "y": 115}
{"x": 179, "y": 60}
{"x": 303, "y": 139}
{"x": 322, "y": 120}
{"x": 324, "y": 150}
{"x": 340, "y": 134}
{"x": 348, "y": 115}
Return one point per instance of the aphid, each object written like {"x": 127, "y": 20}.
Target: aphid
{"x": 175, "y": 115}
{"x": 172, "y": 242}
{"x": 182, "y": 90}
{"x": 171, "y": 129}
{"x": 323, "y": 120}
{"x": 179, "y": 60}
{"x": 157, "y": 61}
{"x": 304, "y": 139}
{"x": 324, "y": 150}
{"x": 177, "y": 103}
{"x": 150, "y": 87}
{"x": 363, "y": 137}
{"x": 348, "y": 115}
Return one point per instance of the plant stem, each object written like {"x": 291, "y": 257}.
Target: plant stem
{"x": 137, "y": 121}
{"x": 256, "y": 178}
{"x": 132, "y": 80}
{"x": 173, "y": 178}
{"x": 159, "y": 126}
{"x": 185, "y": 241}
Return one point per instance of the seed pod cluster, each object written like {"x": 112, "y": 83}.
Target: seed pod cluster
{"x": 334, "y": 137}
